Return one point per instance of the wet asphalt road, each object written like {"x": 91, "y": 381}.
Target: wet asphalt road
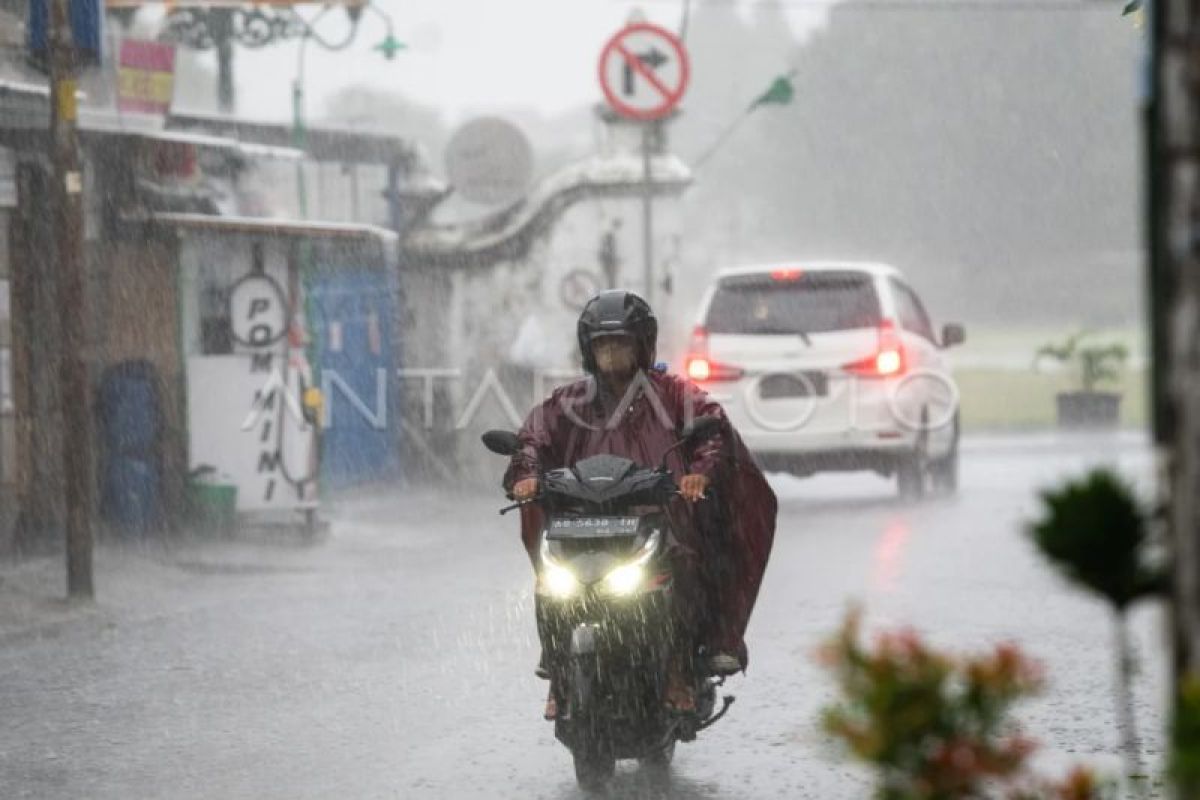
{"x": 395, "y": 659}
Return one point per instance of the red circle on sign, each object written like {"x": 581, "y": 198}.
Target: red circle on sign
{"x": 670, "y": 96}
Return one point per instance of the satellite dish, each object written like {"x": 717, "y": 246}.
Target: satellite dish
{"x": 489, "y": 161}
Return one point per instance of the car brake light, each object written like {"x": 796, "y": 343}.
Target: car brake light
{"x": 889, "y": 362}
{"x": 700, "y": 368}
{"x": 888, "y": 359}
{"x": 787, "y": 274}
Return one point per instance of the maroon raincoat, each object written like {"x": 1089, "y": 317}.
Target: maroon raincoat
{"x": 731, "y": 536}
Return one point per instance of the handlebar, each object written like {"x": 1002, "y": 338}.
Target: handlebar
{"x": 519, "y": 503}
{"x": 708, "y": 495}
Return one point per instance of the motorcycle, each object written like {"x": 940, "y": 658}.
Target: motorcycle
{"x": 605, "y": 593}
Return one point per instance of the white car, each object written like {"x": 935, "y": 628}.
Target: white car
{"x": 831, "y": 366}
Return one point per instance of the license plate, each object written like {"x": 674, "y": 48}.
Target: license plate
{"x": 592, "y": 527}
{"x": 804, "y": 384}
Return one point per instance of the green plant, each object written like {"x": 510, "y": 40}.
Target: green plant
{"x": 1097, "y": 363}
{"x": 1098, "y": 535}
{"x": 936, "y": 727}
{"x": 1185, "y": 737}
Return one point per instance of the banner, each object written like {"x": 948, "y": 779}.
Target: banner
{"x": 146, "y": 77}
{"x": 87, "y": 30}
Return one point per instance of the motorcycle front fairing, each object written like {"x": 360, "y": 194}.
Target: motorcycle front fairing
{"x": 603, "y": 484}
{"x": 605, "y": 530}
{"x": 605, "y": 594}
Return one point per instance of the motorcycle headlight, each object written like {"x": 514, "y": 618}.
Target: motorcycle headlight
{"x": 557, "y": 579}
{"x": 627, "y": 578}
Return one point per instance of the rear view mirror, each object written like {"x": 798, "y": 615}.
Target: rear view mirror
{"x": 953, "y": 334}
{"x": 703, "y": 427}
{"x": 503, "y": 443}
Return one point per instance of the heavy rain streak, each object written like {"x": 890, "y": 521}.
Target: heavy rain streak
{"x": 691, "y": 399}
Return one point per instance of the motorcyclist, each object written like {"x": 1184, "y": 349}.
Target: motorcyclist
{"x": 627, "y": 406}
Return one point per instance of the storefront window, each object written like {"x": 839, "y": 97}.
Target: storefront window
{"x": 216, "y": 333}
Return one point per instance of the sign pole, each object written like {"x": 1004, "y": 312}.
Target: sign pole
{"x": 648, "y": 213}
{"x": 67, "y": 200}
{"x": 643, "y": 73}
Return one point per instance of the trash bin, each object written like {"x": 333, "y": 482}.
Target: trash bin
{"x": 212, "y": 502}
{"x": 130, "y": 436}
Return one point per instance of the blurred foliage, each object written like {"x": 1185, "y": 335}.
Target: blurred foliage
{"x": 1185, "y": 737}
{"x": 1097, "y": 363}
{"x": 1097, "y": 534}
{"x": 936, "y": 727}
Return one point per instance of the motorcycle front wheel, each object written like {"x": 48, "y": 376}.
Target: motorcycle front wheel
{"x": 593, "y": 768}
{"x": 659, "y": 758}
{"x": 656, "y": 769}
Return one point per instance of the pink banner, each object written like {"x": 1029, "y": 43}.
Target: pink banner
{"x": 146, "y": 77}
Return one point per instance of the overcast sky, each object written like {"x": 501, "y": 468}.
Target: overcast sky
{"x": 468, "y": 56}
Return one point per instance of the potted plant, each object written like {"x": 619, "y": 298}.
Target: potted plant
{"x": 1087, "y": 407}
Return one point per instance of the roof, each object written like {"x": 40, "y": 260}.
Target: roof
{"x": 109, "y": 126}
{"x": 25, "y": 118}
{"x": 875, "y": 268}
{"x": 340, "y": 145}
{"x": 510, "y": 232}
{"x": 276, "y": 227}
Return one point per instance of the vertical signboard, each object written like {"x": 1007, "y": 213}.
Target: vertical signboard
{"x": 146, "y": 77}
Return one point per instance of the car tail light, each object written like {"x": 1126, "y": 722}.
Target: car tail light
{"x": 888, "y": 359}
{"x": 787, "y": 274}
{"x": 700, "y": 368}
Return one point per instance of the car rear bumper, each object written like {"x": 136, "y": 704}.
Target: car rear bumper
{"x": 885, "y": 440}
{"x": 809, "y": 452}
{"x": 847, "y": 460}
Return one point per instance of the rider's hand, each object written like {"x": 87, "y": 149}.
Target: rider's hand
{"x": 523, "y": 490}
{"x": 692, "y": 487}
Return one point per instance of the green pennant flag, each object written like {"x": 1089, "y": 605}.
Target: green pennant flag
{"x": 780, "y": 93}
{"x": 390, "y": 47}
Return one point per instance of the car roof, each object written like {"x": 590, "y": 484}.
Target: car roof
{"x": 874, "y": 268}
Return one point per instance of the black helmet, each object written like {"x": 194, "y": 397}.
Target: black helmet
{"x": 618, "y": 312}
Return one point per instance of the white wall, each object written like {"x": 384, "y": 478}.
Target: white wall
{"x": 239, "y": 421}
{"x": 509, "y": 318}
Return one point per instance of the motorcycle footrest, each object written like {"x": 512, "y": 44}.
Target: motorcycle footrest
{"x": 726, "y": 702}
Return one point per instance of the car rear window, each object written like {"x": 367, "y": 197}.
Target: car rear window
{"x": 815, "y": 302}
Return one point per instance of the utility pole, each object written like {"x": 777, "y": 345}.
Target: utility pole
{"x": 222, "y": 28}
{"x": 66, "y": 197}
{"x": 648, "y": 211}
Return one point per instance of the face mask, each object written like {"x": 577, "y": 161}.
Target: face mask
{"x": 614, "y": 357}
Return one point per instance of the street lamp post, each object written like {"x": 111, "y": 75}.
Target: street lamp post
{"x": 389, "y": 47}
{"x": 219, "y": 27}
